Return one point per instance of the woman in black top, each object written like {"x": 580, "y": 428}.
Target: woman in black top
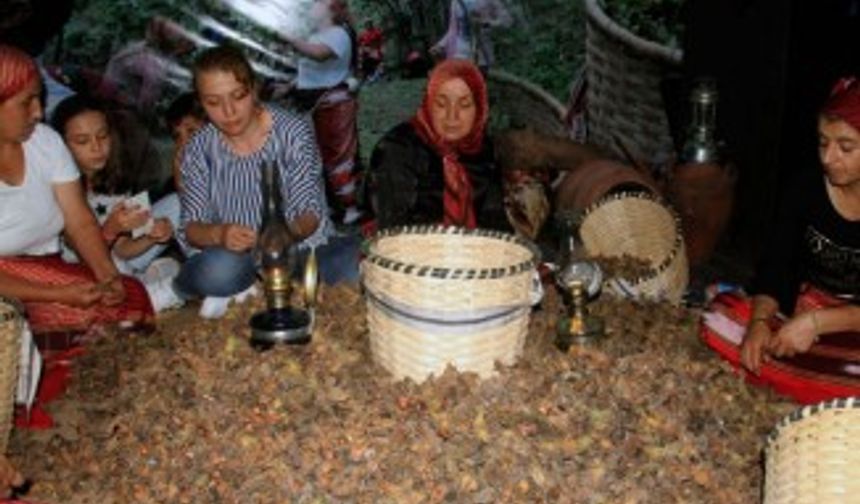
{"x": 438, "y": 168}
{"x": 815, "y": 242}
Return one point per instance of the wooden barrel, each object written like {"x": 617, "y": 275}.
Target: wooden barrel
{"x": 703, "y": 194}
{"x": 596, "y": 178}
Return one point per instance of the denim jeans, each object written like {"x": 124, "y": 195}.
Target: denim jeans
{"x": 217, "y": 271}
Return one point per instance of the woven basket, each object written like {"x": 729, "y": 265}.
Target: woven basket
{"x": 439, "y": 296}
{"x": 639, "y": 225}
{"x": 813, "y": 455}
{"x": 525, "y": 105}
{"x": 10, "y": 352}
{"x": 623, "y": 96}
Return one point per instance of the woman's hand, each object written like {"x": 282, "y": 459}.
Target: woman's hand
{"x": 9, "y": 476}
{"x": 123, "y": 218}
{"x": 237, "y": 238}
{"x": 796, "y": 336}
{"x": 112, "y": 290}
{"x": 162, "y": 230}
{"x": 756, "y": 344}
{"x": 82, "y": 295}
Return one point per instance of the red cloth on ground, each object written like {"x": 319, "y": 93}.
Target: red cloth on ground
{"x": 830, "y": 369}
{"x": 457, "y": 198}
{"x": 56, "y": 375}
{"x": 135, "y": 312}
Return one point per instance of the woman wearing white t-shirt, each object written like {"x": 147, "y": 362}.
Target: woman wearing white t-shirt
{"x": 41, "y": 197}
{"x": 326, "y": 62}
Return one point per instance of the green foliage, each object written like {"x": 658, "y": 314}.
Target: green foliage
{"x": 655, "y": 20}
{"x": 546, "y": 45}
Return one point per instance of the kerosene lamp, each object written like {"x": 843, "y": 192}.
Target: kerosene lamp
{"x": 281, "y": 322}
{"x": 579, "y": 280}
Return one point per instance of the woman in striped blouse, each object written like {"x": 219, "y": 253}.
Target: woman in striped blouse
{"x": 221, "y": 197}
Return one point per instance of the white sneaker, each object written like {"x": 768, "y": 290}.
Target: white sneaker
{"x": 162, "y": 295}
{"x": 161, "y": 268}
{"x": 214, "y": 307}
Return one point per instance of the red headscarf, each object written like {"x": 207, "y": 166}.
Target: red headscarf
{"x": 17, "y": 69}
{"x": 457, "y": 198}
{"x": 844, "y": 102}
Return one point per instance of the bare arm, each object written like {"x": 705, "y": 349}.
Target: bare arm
{"x": 318, "y": 52}
{"x": 85, "y": 236}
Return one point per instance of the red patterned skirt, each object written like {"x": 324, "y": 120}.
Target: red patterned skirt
{"x": 336, "y": 128}
{"x": 830, "y": 369}
{"x": 60, "y": 321}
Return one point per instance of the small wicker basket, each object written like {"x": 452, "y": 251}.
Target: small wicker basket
{"x": 439, "y": 296}
{"x": 639, "y": 225}
{"x": 813, "y": 455}
{"x": 623, "y": 99}
{"x": 11, "y": 325}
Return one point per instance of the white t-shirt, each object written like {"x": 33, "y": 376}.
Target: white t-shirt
{"x": 30, "y": 218}
{"x": 331, "y": 72}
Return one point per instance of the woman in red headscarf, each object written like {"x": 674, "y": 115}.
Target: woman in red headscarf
{"x": 802, "y": 325}
{"x": 41, "y": 197}
{"x": 438, "y": 168}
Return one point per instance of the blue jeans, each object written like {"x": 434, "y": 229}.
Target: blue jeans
{"x": 217, "y": 271}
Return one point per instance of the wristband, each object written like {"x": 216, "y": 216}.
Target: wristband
{"x": 815, "y": 326}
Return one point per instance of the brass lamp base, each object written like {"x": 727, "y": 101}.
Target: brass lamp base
{"x": 592, "y": 330}
{"x": 291, "y": 326}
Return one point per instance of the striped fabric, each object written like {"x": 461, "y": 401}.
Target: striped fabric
{"x": 222, "y": 187}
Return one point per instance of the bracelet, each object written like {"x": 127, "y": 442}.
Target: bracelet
{"x": 765, "y": 320}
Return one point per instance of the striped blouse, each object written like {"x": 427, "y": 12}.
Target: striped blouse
{"x": 222, "y": 187}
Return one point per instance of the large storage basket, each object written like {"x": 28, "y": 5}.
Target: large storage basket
{"x": 445, "y": 295}
{"x": 813, "y": 455}
{"x": 641, "y": 226}
{"x": 523, "y": 104}
{"x": 623, "y": 97}
{"x": 11, "y": 325}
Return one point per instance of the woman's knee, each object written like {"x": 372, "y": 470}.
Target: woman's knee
{"x": 216, "y": 272}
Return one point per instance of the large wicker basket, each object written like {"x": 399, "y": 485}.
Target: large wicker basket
{"x": 813, "y": 455}
{"x": 623, "y": 97}
{"x": 438, "y": 296}
{"x": 641, "y": 226}
{"x": 10, "y": 351}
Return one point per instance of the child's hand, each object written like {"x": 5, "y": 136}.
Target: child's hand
{"x": 123, "y": 218}
{"x": 162, "y": 230}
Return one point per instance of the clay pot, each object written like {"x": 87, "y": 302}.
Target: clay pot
{"x": 703, "y": 195}
{"x": 596, "y": 178}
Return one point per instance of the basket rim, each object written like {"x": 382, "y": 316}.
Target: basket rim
{"x": 647, "y": 47}
{"x": 677, "y": 244}
{"x": 531, "y": 88}
{"x": 451, "y": 273}
{"x": 808, "y": 411}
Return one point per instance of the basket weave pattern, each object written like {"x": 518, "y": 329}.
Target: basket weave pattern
{"x": 813, "y": 455}
{"x": 10, "y": 351}
{"x": 623, "y": 96}
{"x": 446, "y": 295}
{"x": 639, "y": 225}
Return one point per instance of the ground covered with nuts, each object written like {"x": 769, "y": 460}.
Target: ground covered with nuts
{"x": 192, "y": 414}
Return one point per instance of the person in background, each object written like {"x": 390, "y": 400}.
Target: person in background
{"x": 41, "y": 197}
{"x": 184, "y": 117}
{"x": 439, "y": 168}
{"x": 85, "y": 126}
{"x": 371, "y": 44}
{"x": 221, "y": 180}
{"x": 468, "y": 34}
{"x": 327, "y": 60}
{"x": 815, "y": 242}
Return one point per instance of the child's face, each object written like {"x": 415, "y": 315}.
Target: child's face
{"x": 88, "y": 137}
{"x": 186, "y": 127}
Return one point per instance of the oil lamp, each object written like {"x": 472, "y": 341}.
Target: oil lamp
{"x": 579, "y": 280}
{"x": 277, "y": 249}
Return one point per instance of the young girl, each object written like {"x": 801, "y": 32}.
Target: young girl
{"x": 86, "y": 129}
